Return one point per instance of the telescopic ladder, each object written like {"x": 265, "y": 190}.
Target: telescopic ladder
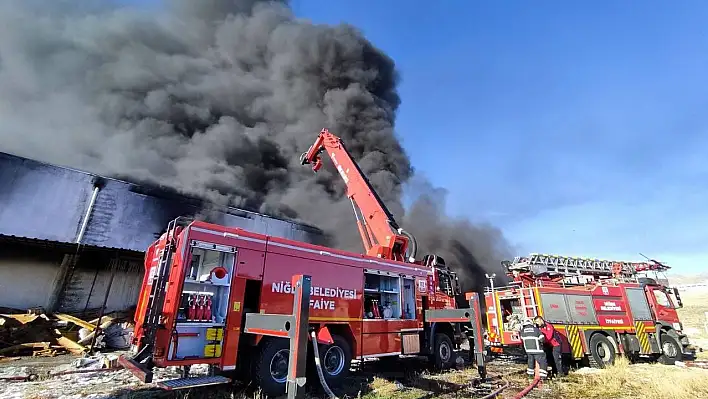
{"x": 574, "y": 266}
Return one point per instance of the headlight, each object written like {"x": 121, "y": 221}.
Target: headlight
{"x": 676, "y": 326}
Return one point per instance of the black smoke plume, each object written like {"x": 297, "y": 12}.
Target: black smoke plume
{"x": 215, "y": 98}
{"x": 472, "y": 250}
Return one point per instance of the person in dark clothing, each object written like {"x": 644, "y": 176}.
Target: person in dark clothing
{"x": 552, "y": 346}
{"x": 533, "y": 338}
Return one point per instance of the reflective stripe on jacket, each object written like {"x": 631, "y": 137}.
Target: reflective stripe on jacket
{"x": 532, "y": 339}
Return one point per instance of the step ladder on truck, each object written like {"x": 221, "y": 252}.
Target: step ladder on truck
{"x": 601, "y": 308}
{"x": 224, "y": 296}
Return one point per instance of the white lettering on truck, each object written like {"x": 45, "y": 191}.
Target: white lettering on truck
{"x": 610, "y": 306}
{"x": 317, "y": 291}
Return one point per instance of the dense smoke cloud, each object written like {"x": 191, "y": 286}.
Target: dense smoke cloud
{"x": 217, "y": 99}
{"x": 472, "y": 250}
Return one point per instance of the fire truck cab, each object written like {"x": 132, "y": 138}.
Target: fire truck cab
{"x": 601, "y": 308}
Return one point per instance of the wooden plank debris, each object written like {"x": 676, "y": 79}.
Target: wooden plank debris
{"x": 70, "y": 345}
{"x": 75, "y": 320}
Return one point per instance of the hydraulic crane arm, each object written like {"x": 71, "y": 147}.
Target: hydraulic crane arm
{"x": 380, "y": 234}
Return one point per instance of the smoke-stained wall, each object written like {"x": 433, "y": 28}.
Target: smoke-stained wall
{"x": 47, "y": 202}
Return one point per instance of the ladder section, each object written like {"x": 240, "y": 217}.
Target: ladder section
{"x": 156, "y": 299}
{"x": 574, "y": 266}
{"x": 528, "y": 303}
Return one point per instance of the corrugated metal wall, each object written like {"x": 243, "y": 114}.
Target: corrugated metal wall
{"x": 46, "y": 202}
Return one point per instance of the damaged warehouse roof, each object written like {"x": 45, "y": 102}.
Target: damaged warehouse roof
{"x": 52, "y": 203}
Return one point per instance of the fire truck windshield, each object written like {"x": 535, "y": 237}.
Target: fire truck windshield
{"x": 664, "y": 297}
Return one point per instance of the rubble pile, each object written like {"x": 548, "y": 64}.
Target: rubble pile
{"x": 36, "y": 333}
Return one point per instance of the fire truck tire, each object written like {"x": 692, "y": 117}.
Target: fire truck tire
{"x": 671, "y": 350}
{"x": 443, "y": 355}
{"x": 602, "y": 352}
{"x": 270, "y": 368}
{"x": 336, "y": 360}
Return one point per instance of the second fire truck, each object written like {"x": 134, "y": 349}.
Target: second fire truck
{"x": 601, "y": 308}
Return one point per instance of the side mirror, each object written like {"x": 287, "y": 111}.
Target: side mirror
{"x": 678, "y": 298}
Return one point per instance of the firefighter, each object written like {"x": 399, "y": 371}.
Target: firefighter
{"x": 533, "y": 338}
{"x": 552, "y": 343}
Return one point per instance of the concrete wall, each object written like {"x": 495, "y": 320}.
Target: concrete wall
{"x": 26, "y": 282}
{"x": 86, "y": 288}
{"x": 29, "y": 274}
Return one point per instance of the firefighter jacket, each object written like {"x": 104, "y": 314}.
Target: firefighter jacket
{"x": 550, "y": 334}
{"x": 533, "y": 339}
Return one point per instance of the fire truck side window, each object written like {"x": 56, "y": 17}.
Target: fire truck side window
{"x": 662, "y": 299}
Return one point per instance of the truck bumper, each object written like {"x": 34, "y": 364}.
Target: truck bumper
{"x": 684, "y": 339}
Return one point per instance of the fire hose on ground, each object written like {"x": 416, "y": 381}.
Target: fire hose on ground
{"x": 507, "y": 384}
{"x": 528, "y": 389}
{"x": 499, "y": 389}
{"x": 319, "y": 367}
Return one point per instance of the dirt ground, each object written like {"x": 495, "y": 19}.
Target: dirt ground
{"x": 405, "y": 379}
{"x": 383, "y": 379}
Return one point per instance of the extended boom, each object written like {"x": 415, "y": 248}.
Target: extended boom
{"x": 380, "y": 234}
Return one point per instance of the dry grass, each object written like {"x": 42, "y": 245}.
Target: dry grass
{"x": 693, "y": 316}
{"x": 649, "y": 381}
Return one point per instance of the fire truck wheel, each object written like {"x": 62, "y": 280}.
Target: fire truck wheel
{"x": 335, "y": 360}
{"x": 602, "y": 352}
{"x": 671, "y": 350}
{"x": 443, "y": 356}
{"x": 270, "y": 369}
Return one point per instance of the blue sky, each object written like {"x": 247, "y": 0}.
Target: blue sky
{"x": 578, "y": 129}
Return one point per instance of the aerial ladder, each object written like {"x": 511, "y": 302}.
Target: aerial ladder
{"x": 380, "y": 234}
{"x": 558, "y": 267}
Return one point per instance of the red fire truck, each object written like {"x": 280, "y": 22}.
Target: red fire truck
{"x": 203, "y": 280}
{"x": 600, "y": 307}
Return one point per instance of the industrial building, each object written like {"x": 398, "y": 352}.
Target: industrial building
{"x": 68, "y": 237}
